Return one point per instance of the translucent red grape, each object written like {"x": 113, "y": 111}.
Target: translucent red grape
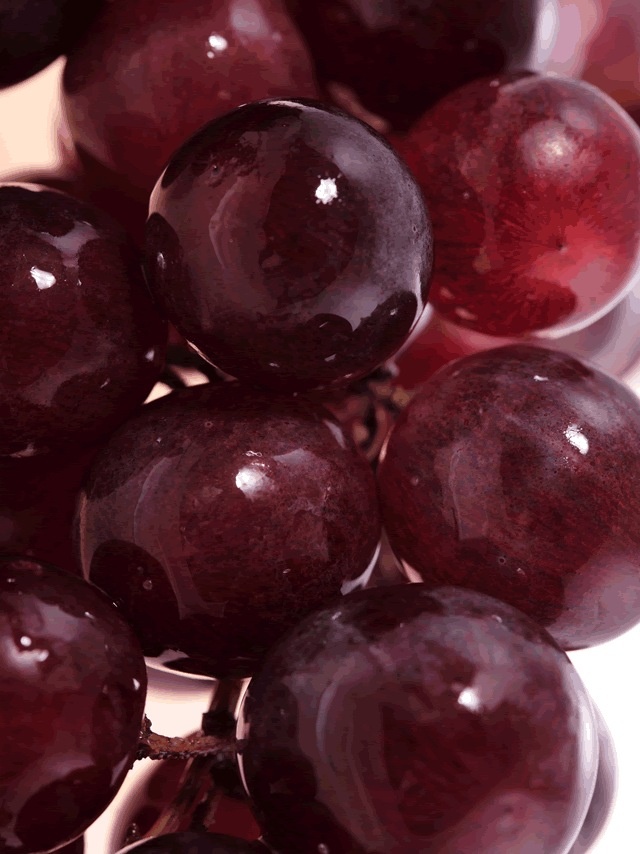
{"x": 405, "y": 720}
{"x": 516, "y": 472}
{"x": 72, "y": 693}
{"x": 289, "y": 245}
{"x": 218, "y": 518}
{"x": 82, "y": 344}
{"x": 151, "y": 72}
{"x": 531, "y": 182}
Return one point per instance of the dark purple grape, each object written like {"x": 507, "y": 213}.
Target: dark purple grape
{"x": 218, "y": 518}
{"x": 195, "y": 843}
{"x": 405, "y": 720}
{"x": 289, "y": 245}
{"x": 604, "y": 793}
{"x": 516, "y": 472}
{"x": 35, "y": 32}
{"x": 72, "y": 693}
{"x": 82, "y": 344}
{"x": 37, "y": 505}
{"x": 400, "y": 56}
{"x": 151, "y": 72}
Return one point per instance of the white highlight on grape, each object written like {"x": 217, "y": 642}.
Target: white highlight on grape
{"x": 42, "y": 279}
{"x": 218, "y": 44}
{"x": 577, "y": 438}
{"x": 326, "y": 191}
{"x": 250, "y": 479}
{"x": 540, "y": 379}
{"x": 470, "y": 700}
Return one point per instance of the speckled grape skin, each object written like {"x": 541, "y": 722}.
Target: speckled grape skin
{"x": 218, "y": 518}
{"x": 151, "y": 72}
{"x": 81, "y": 343}
{"x": 516, "y": 472}
{"x": 289, "y": 245}
{"x": 72, "y": 693}
{"x": 531, "y": 182}
{"x": 406, "y": 720}
{"x": 401, "y": 56}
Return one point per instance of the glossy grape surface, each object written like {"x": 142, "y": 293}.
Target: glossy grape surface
{"x": 516, "y": 472}
{"x": 604, "y": 792}
{"x": 531, "y": 184}
{"x": 218, "y": 518}
{"x": 195, "y": 843}
{"x": 35, "y": 32}
{"x": 72, "y": 693}
{"x": 151, "y": 72}
{"x": 289, "y": 244}
{"x": 401, "y": 56}
{"x": 82, "y": 344}
{"x": 37, "y": 505}
{"x": 405, "y": 720}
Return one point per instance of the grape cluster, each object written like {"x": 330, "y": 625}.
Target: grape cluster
{"x": 209, "y": 464}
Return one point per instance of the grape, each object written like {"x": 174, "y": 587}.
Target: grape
{"x": 604, "y": 793}
{"x": 81, "y": 342}
{"x": 195, "y": 843}
{"x": 37, "y": 505}
{"x": 401, "y": 56}
{"x": 34, "y": 32}
{"x": 531, "y": 182}
{"x": 151, "y": 72}
{"x": 217, "y": 518}
{"x": 72, "y": 693}
{"x": 405, "y": 720}
{"x": 516, "y": 472}
{"x": 289, "y": 245}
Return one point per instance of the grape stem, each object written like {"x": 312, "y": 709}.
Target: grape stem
{"x": 152, "y": 745}
{"x": 212, "y": 768}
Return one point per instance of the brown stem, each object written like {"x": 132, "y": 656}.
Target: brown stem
{"x": 152, "y": 745}
{"x": 210, "y": 752}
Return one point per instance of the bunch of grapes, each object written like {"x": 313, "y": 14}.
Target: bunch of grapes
{"x": 267, "y": 213}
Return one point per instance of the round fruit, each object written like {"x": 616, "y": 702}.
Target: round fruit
{"x": 531, "y": 182}
{"x": 405, "y": 720}
{"x": 289, "y": 245}
{"x": 82, "y": 344}
{"x": 218, "y": 518}
{"x": 516, "y": 472}
{"x": 72, "y": 693}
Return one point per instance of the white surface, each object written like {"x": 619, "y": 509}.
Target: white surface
{"x": 27, "y": 139}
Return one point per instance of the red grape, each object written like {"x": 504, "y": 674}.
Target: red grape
{"x": 81, "y": 342}
{"x": 516, "y": 472}
{"x": 34, "y": 32}
{"x": 72, "y": 693}
{"x": 151, "y": 72}
{"x": 405, "y": 720}
{"x": 401, "y": 56}
{"x": 531, "y": 182}
{"x": 289, "y": 245}
{"x": 218, "y": 518}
